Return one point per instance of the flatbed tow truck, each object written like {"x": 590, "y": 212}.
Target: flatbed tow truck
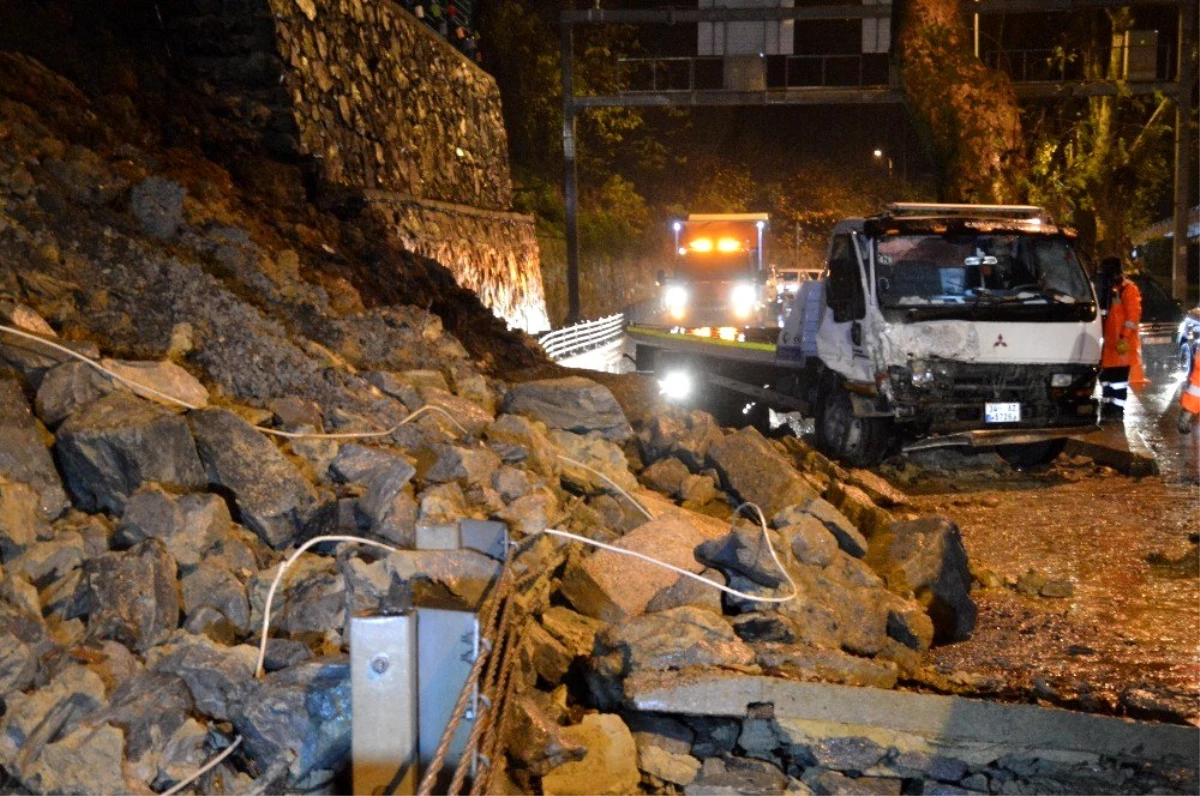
{"x": 933, "y": 325}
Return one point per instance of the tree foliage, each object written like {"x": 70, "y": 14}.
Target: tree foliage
{"x": 968, "y": 111}
{"x": 1103, "y": 162}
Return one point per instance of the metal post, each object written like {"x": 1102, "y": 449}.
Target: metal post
{"x": 571, "y": 174}
{"x": 383, "y": 696}
{"x": 1185, "y": 76}
{"x": 447, "y": 645}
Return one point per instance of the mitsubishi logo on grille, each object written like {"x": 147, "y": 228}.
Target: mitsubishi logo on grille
{"x": 999, "y": 342}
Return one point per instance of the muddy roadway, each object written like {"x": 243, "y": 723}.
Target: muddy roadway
{"x": 1127, "y": 638}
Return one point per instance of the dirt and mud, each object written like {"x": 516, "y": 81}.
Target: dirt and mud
{"x": 1089, "y": 580}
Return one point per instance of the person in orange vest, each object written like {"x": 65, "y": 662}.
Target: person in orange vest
{"x": 1189, "y": 402}
{"x": 1121, "y": 344}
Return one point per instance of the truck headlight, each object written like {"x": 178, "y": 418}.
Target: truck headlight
{"x": 922, "y": 374}
{"x": 1061, "y": 380}
{"x": 743, "y": 298}
{"x": 675, "y": 298}
{"x": 675, "y": 385}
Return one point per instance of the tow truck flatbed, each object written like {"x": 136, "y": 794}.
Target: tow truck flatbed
{"x": 762, "y": 353}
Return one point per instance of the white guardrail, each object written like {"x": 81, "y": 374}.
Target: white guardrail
{"x": 584, "y": 336}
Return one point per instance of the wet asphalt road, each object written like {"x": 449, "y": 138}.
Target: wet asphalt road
{"x": 1127, "y": 639}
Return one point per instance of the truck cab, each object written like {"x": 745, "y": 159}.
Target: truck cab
{"x": 718, "y": 276}
{"x": 955, "y": 324}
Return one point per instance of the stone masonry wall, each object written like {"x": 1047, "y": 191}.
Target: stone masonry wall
{"x": 486, "y": 250}
{"x": 385, "y": 103}
{"x": 383, "y": 106}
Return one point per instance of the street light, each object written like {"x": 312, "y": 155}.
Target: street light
{"x": 880, "y": 156}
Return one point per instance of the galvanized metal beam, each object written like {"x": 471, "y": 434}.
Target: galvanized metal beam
{"x": 825, "y": 95}
{"x": 1066, "y": 89}
{"x": 383, "y": 696}
{"x": 671, "y": 15}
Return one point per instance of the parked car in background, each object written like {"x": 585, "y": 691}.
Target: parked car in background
{"x": 1187, "y": 338}
{"x": 1161, "y": 314}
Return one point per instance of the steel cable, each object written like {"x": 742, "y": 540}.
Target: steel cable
{"x": 487, "y": 618}
{"x": 499, "y": 654}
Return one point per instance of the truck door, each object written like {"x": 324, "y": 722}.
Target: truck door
{"x": 840, "y": 340}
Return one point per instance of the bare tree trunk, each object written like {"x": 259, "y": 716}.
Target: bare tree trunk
{"x": 970, "y": 112}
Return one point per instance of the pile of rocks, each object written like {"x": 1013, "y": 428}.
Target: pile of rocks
{"x": 138, "y": 541}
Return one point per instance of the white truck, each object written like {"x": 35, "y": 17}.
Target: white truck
{"x": 933, "y": 325}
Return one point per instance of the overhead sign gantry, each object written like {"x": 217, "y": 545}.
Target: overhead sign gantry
{"x": 739, "y": 89}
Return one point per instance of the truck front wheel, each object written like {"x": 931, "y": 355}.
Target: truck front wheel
{"x": 856, "y": 441}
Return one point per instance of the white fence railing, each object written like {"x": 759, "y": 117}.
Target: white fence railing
{"x": 583, "y": 336}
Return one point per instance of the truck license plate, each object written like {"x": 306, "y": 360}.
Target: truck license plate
{"x": 1001, "y": 413}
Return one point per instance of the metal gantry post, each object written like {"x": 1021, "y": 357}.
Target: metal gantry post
{"x": 571, "y": 174}
{"x": 1185, "y": 76}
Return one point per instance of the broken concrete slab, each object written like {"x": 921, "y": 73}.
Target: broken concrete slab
{"x": 1122, "y": 449}
{"x": 974, "y": 731}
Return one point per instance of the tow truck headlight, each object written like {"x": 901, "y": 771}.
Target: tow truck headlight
{"x": 1061, "y": 380}
{"x": 742, "y": 299}
{"x": 675, "y": 298}
{"x": 675, "y": 385}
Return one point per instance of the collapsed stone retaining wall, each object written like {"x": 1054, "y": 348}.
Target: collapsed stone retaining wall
{"x": 378, "y": 102}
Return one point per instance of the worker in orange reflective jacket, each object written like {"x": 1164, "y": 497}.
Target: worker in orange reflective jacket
{"x": 1189, "y": 404}
{"x": 1121, "y": 344}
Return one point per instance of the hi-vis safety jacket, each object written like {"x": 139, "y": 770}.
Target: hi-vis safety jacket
{"x": 1124, "y": 315}
{"x": 1191, "y": 393}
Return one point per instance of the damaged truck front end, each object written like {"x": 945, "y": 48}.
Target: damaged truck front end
{"x": 953, "y": 325}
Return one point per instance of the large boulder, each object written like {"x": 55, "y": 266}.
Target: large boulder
{"x": 20, "y": 520}
{"x": 24, "y": 457}
{"x": 67, "y": 387}
{"x": 926, "y": 558}
{"x": 188, "y": 525}
{"x": 388, "y": 507}
{"x": 149, "y": 707}
{"x": 674, "y": 639}
{"x": 301, "y": 714}
{"x": 604, "y": 463}
{"x": 112, "y": 446}
{"x": 848, "y": 537}
{"x": 134, "y": 595}
{"x": 688, "y": 437}
{"x": 608, "y": 769}
{"x": 746, "y": 551}
{"x": 160, "y": 381}
{"x": 214, "y": 674}
{"x": 23, "y": 641}
{"x": 272, "y": 498}
{"x": 758, "y": 474}
{"x": 572, "y": 404}
{"x": 612, "y": 586}
{"x": 518, "y": 440}
{"x": 536, "y": 742}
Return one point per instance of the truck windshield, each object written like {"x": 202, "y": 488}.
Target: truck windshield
{"x": 697, "y": 266}
{"x": 916, "y": 270}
